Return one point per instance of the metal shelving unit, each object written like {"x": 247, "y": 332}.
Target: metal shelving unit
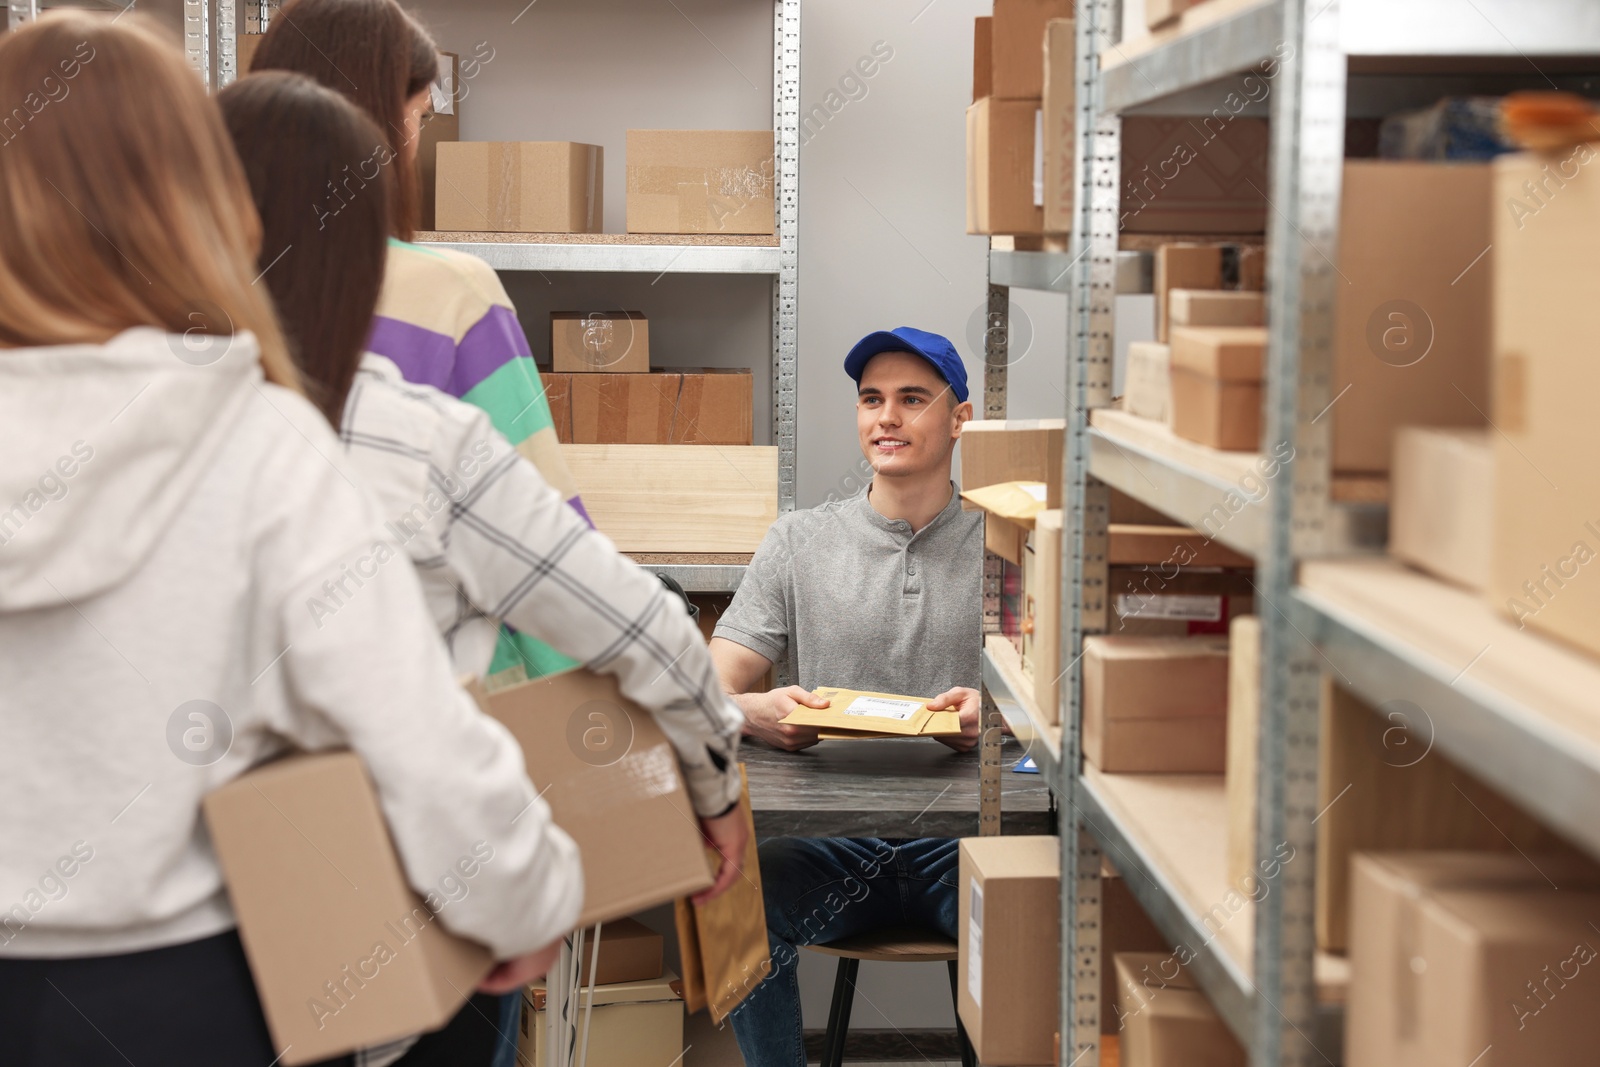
{"x": 1327, "y": 59}
{"x": 206, "y": 39}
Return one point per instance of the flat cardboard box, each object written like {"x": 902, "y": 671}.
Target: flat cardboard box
{"x": 1017, "y": 41}
{"x": 1059, "y": 110}
{"x": 320, "y": 933}
{"x": 629, "y": 952}
{"x": 1471, "y": 958}
{"x": 442, "y": 123}
{"x": 694, "y": 407}
{"x": 1228, "y": 353}
{"x": 1546, "y": 318}
{"x": 612, "y": 782}
{"x": 1183, "y": 266}
{"x": 1124, "y": 927}
{"x": 631, "y": 1024}
{"x": 1382, "y": 786}
{"x": 1412, "y": 327}
{"x": 520, "y": 186}
{"x": 1160, "y": 12}
{"x": 1009, "y": 955}
{"x": 1168, "y": 546}
{"x": 1147, "y": 388}
{"x": 701, "y": 181}
{"x": 1244, "y": 744}
{"x": 1204, "y": 175}
{"x": 1198, "y": 307}
{"x": 1005, "y": 167}
{"x": 1041, "y": 613}
{"x": 1166, "y": 1020}
{"x": 592, "y": 342}
{"x": 1216, "y": 413}
{"x": 1252, "y": 268}
{"x": 1155, "y": 705}
{"x": 982, "y": 57}
{"x": 1175, "y": 600}
{"x": 1441, "y": 502}
{"x": 1014, "y": 450}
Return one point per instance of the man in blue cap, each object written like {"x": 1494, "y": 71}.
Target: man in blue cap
{"x": 879, "y": 592}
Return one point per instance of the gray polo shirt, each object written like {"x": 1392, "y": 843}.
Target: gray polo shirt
{"x": 855, "y": 600}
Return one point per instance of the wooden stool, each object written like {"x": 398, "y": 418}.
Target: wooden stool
{"x": 886, "y": 946}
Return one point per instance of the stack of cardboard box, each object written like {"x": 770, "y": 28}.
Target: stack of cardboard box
{"x": 1009, "y": 951}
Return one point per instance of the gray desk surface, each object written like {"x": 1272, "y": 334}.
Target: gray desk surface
{"x": 887, "y": 787}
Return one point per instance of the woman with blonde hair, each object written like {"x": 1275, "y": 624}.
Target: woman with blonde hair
{"x": 169, "y": 510}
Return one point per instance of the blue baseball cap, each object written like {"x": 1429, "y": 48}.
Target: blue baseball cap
{"x": 930, "y": 346}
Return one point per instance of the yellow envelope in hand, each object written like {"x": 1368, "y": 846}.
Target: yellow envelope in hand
{"x": 853, "y": 713}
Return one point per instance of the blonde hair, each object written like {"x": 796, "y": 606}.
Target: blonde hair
{"x": 122, "y": 203}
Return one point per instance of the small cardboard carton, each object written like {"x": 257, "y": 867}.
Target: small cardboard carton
{"x": 853, "y": 713}
{"x": 1223, "y": 307}
{"x": 1176, "y": 599}
{"x": 1216, "y": 385}
{"x": 592, "y": 342}
{"x": 629, "y": 952}
{"x": 1041, "y": 613}
{"x": 701, "y": 181}
{"x": 629, "y": 1024}
{"x": 1059, "y": 110}
{"x": 1017, "y": 39}
{"x": 1147, "y": 389}
{"x": 1155, "y": 705}
{"x": 1441, "y": 502}
{"x": 982, "y": 57}
{"x": 1185, "y": 267}
{"x": 1166, "y": 1020}
{"x": 344, "y": 952}
{"x": 695, "y": 407}
{"x": 1010, "y": 510}
{"x": 714, "y": 408}
{"x": 1009, "y": 954}
{"x": 519, "y": 186}
{"x": 612, "y": 782}
{"x": 1160, "y": 12}
{"x": 558, "y": 393}
{"x": 1005, "y": 167}
{"x": 1014, "y": 450}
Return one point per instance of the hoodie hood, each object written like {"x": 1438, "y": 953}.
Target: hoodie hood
{"x": 103, "y": 445}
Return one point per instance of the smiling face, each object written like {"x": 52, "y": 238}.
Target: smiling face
{"x": 907, "y": 418}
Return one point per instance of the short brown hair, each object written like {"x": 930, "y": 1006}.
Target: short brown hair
{"x": 372, "y": 52}
{"x": 121, "y": 201}
{"x": 324, "y": 208}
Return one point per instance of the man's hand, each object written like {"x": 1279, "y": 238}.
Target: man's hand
{"x": 970, "y": 704}
{"x": 762, "y": 712}
{"x": 730, "y": 835}
{"x": 515, "y": 973}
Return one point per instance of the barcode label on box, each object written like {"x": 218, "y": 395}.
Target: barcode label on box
{"x": 1193, "y": 607}
{"x": 975, "y": 944}
{"x": 884, "y": 708}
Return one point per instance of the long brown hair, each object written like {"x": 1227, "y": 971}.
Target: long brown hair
{"x": 375, "y": 54}
{"x": 319, "y": 172}
{"x": 121, "y": 201}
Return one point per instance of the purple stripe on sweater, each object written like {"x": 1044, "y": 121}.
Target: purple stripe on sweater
{"x": 577, "y": 505}
{"x": 491, "y": 343}
{"x": 424, "y": 357}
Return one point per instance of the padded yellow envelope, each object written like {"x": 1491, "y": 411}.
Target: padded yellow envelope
{"x": 852, "y": 713}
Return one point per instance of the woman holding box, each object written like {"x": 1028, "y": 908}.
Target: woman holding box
{"x": 167, "y": 510}
{"x": 491, "y": 540}
{"x": 443, "y": 318}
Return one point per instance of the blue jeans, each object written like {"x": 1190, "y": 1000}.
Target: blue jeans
{"x": 823, "y": 889}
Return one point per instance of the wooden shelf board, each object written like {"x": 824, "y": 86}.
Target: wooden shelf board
{"x": 759, "y": 240}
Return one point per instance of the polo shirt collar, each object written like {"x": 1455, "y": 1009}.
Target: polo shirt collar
{"x": 901, "y": 527}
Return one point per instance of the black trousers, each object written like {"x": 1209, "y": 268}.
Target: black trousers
{"x": 190, "y": 1005}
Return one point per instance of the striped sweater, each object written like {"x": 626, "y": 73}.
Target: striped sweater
{"x": 445, "y": 320}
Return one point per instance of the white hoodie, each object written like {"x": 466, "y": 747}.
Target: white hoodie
{"x": 162, "y": 526}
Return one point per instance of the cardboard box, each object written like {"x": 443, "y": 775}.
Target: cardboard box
{"x": 587, "y": 342}
{"x": 1154, "y": 705}
{"x": 1166, "y": 1020}
{"x": 1545, "y": 320}
{"x": 701, "y": 181}
{"x": 1183, "y": 266}
{"x": 245, "y": 45}
{"x": 1231, "y": 353}
{"x": 982, "y": 57}
{"x": 612, "y": 782}
{"x": 1124, "y": 927}
{"x": 1382, "y": 787}
{"x": 635, "y": 409}
{"x": 1010, "y": 510}
{"x": 1125, "y": 509}
{"x": 1014, "y": 450}
{"x": 558, "y": 393}
{"x": 631, "y": 1023}
{"x": 1467, "y": 958}
{"x": 442, "y": 123}
{"x": 1252, "y": 268}
{"x": 344, "y": 953}
{"x": 1017, "y": 61}
{"x": 1160, "y": 12}
{"x": 1147, "y": 387}
{"x": 678, "y": 498}
{"x": 1168, "y": 546}
{"x": 1441, "y": 502}
{"x": 1412, "y": 327}
{"x": 714, "y": 408}
{"x": 1005, "y": 166}
{"x": 1244, "y": 745}
{"x": 1009, "y": 929}
{"x": 1041, "y": 621}
{"x": 1198, "y": 307}
{"x": 1059, "y": 111}
{"x": 1175, "y": 600}
{"x": 1194, "y": 175}
{"x": 1217, "y": 413}
{"x": 629, "y": 952}
{"x": 520, "y": 186}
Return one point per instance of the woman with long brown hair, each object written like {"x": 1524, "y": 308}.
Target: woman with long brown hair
{"x": 168, "y": 514}
{"x": 443, "y": 317}
{"x": 501, "y": 543}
